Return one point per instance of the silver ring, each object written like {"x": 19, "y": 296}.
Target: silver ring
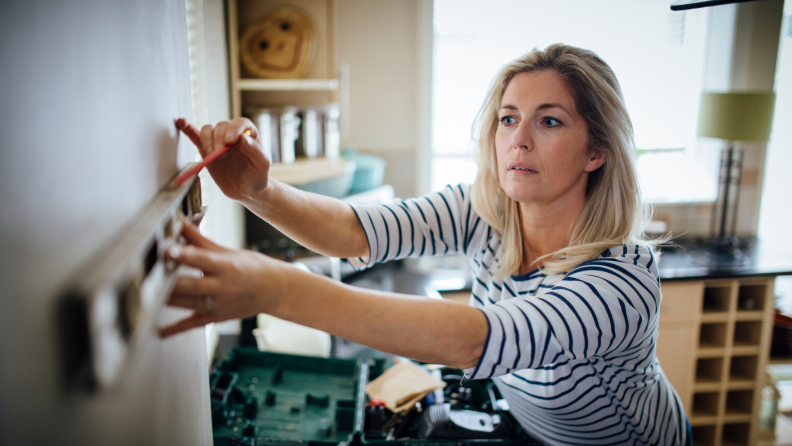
{"x": 206, "y": 306}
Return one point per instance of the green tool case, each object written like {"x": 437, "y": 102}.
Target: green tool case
{"x": 262, "y": 398}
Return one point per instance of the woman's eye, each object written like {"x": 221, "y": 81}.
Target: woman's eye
{"x": 507, "y": 120}
{"x": 550, "y": 122}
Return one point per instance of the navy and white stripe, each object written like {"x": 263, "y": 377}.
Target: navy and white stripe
{"x": 573, "y": 354}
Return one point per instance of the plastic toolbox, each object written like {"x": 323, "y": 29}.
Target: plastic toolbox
{"x": 262, "y": 398}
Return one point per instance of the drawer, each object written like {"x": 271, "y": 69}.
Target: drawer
{"x": 681, "y": 301}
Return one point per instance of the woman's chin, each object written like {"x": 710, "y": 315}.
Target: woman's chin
{"x": 520, "y": 194}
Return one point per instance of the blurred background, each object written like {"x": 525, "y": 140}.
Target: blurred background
{"x": 377, "y": 105}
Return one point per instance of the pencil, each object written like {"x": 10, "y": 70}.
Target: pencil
{"x": 206, "y": 161}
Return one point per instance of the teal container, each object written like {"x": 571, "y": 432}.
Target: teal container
{"x": 369, "y": 171}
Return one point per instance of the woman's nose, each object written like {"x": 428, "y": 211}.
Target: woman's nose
{"x": 522, "y": 137}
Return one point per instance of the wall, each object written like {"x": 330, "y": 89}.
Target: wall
{"x": 89, "y": 93}
{"x": 379, "y": 42}
{"x": 742, "y": 56}
{"x": 208, "y": 48}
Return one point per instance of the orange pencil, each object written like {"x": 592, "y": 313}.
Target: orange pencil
{"x": 206, "y": 161}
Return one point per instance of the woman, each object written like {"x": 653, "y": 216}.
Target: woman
{"x": 564, "y": 307}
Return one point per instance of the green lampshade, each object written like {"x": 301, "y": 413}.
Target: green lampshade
{"x": 736, "y": 116}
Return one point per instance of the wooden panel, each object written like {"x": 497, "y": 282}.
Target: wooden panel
{"x": 681, "y": 301}
{"x": 677, "y": 355}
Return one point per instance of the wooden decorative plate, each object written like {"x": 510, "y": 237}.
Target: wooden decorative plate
{"x": 281, "y": 45}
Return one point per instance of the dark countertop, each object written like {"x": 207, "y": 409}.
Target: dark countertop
{"x": 763, "y": 259}
{"x": 677, "y": 262}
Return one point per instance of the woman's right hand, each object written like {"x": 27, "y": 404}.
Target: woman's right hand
{"x": 243, "y": 172}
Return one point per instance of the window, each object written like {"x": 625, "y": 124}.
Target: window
{"x": 657, "y": 55}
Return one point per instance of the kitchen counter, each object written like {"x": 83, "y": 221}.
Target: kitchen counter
{"x": 764, "y": 259}
{"x": 677, "y": 262}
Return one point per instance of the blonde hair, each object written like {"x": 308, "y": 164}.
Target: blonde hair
{"x": 613, "y": 213}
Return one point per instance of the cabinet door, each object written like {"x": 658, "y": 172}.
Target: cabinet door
{"x": 680, "y": 312}
{"x": 676, "y": 350}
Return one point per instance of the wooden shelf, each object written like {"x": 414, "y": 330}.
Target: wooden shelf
{"x": 306, "y": 170}
{"x": 287, "y": 84}
{"x": 718, "y": 356}
{"x": 707, "y": 386}
{"x": 714, "y": 317}
{"x": 703, "y": 420}
{"x": 741, "y": 384}
{"x": 711, "y": 352}
{"x": 749, "y": 316}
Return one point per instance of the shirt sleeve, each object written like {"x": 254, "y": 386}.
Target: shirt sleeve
{"x": 436, "y": 224}
{"x": 606, "y": 307}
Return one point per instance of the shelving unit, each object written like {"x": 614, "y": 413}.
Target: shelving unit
{"x": 729, "y": 323}
{"x": 320, "y": 86}
{"x": 322, "y": 81}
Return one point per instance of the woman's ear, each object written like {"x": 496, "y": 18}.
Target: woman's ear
{"x": 596, "y": 159}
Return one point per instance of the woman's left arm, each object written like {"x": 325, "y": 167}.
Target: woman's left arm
{"x": 244, "y": 283}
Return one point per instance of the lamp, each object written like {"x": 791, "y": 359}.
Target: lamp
{"x": 735, "y": 116}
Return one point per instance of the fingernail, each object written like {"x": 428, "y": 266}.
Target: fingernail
{"x": 229, "y": 137}
{"x": 174, "y": 252}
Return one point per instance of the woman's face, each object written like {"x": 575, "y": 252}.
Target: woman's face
{"x": 541, "y": 141}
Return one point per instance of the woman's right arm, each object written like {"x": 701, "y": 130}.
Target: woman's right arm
{"x": 322, "y": 224}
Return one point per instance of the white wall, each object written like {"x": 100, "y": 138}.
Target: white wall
{"x": 379, "y": 41}
{"x": 742, "y": 56}
{"x": 776, "y": 214}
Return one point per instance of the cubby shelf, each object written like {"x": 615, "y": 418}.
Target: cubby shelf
{"x": 730, "y": 324}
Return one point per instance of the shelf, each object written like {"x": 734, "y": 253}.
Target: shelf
{"x": 287, "y": 84}
{"x": 702, "y": 420}
{"x": 714, "y": 317}
{"x": 749, "y": 315}
{"x": 736, "y": 434}
{"x": 710, "y": 352}
{"x": 705, "y": 405}
{"x": 738, "y": 403}
{"x": 707, "y": 386}
{"x": 307, "y": 170}
{"x": 747, "y": 333}
{"x": 717, "y": 299}
{"x": 751, "y": 297}
{"x": 712, "y": 335}
{"x": 741, "y": 385}
{"x": 704, "y": 435}
{"x": 743, "y": 369}
{"x": 745, "y": 350}
{"x": 709, "y": 371}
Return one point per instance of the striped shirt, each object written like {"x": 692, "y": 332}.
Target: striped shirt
{"x": 573, "y": 354}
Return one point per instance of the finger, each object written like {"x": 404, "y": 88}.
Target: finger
{"x": 218, "y": 135}
{"x": 197, "y": 286}
{"x": 194, "y": 237}
{"x": 189, "y": 130}
{"x": 189, "y": 301}
{"x": 196, "y": 320}
{"x": 252, "y": 149}
{"x": 236, "y": 128}
{"x": 203, "y": 259}
{"x": 206, "y": 140}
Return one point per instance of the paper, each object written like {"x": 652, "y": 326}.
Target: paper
{"x": 403, "y": 385}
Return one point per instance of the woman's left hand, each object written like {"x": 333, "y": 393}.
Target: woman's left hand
{"x": 235, "y": 283}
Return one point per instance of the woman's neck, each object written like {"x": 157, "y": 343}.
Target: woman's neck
{"x": 546, "y": 229}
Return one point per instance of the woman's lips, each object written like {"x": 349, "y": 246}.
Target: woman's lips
{"x": 519, "y": 168}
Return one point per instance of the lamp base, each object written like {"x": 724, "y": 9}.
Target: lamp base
{"x": 722, "y": 252}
